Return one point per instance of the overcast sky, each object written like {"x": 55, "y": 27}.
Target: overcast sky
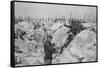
{"x": 51, "y": 10}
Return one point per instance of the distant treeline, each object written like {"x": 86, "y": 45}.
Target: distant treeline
{"x": 39, "y": 19}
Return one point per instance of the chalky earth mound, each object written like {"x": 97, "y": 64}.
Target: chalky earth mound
{"x": 73, "y": 39}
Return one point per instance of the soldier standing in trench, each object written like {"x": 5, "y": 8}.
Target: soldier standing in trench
{"x": 49, "y": 50}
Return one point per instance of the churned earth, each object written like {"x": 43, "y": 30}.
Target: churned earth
{"x": 72, "y": 42}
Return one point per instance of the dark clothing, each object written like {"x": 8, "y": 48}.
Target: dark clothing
{"x": 48, "y": 49}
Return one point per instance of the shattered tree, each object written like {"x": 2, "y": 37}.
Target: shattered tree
{"x": 74, "y": 40}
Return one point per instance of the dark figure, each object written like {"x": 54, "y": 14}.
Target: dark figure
{"x": 49, "y": 50}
